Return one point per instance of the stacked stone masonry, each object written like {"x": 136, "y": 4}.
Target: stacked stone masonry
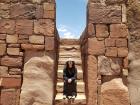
{"x": 27, "y": 29}
{"x": 104, "y": 47}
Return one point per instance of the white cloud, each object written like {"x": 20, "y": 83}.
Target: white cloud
{"x": 65, "y": 32}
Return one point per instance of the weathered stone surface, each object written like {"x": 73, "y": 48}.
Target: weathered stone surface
{"x": 106, "y": 66}
{"x": 49, "y": 43}
{"x": 49, "y": 14}
{"x": 2, "y": 49}
{"x": 115, "y": 92}
{"x": 102, "y": 31}
{"x": 49, "y": 6}
{"x": 125, "y": 62}
{"x": 11, "y": 82}
{"x": 12, "y": 38}
{"x": 10, "y": 96}
{"x": 32, "y": 47}
{"x": 96, "y": 47}
{"x": 104, "y": 14}
{"x": 91, "y": 29}
{"x": 4, "y": 10}
{"x": 122, "y": 52}
{"x": 121, "y": 42}
{"x": 44, "y": 26}
{"x": 37, "y": 85}
{"x": 13, "y": 51}
{"x": 29, "y": 11}
{"x": 23, "y": 39}
{"x": 118, "y": 30}
{"x": 110, "y": 2}
{"x": 7, "y": 26}
{"x": 36, "y": 39}
{"x": 14, "y": 71}
{"x": 92, "y": 79}
{"x": 24, "y": 26}
{"x": 3, "y": 70}
{"x": 111, "y": 51}
{"x": 110, "y": 42}
{"x": 8, "y": 1}
{"x": 11, "y": 61}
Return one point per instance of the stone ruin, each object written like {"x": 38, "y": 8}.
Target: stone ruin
{"x": 30, "y": 51}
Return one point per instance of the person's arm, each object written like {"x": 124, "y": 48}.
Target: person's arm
{"x": 64, "y": 75}
{"x": 75, "y": 75}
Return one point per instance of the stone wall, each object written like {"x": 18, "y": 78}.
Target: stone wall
{"x": 104, "y": 46}
{"x": 133, "y": 14}
{"x": 27, "y": 29}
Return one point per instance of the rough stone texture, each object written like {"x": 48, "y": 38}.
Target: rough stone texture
{"x": 115, "y": 92}
{"x": 3, "y": 70}
{"x": 99, "y": 13}
{"x": 2, "y": 49}
{"x": 29, "y": 11}
{"x": 11, "y": 61}
{"x": 106, "y": 66}
{"x": 13, "y": 51}
{"x": 118, "y": 30}
{"x": 121, "y": 43}
{"x": 110, "y": 42}
{"x": 37, "y": 85}
{"x": 4, "y": 10}
{"x": 24, "y": 26}
{"x": 111, "y": 51}
{"x": 92, "y": 79}
{"x": 49, "y": 43}
{"x": 96, "y": 47}
{"x": 102, "y": 31}
{"x": 7, "y": 26}
{"x": 122, "y": 52}
{"x": 44, "y": 26}
{"x": 36, "y": 39}
{"x": 12, "y": 38}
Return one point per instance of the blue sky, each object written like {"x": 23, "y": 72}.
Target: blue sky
{"x": 71, "y": 17}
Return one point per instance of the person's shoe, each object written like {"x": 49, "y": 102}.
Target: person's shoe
{"x": 73, "y": 97}
{"x": 64, "y": 97}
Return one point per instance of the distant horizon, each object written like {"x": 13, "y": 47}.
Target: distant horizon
{"x": 71, "y": 18}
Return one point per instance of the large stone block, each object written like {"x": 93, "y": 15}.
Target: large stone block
{"x": 29, "y": 11}
{"x": 118, "y": 31}
{"x": 122, "y": 52}
{"x": 24, "y": 26}
{"x": 11, "y": 82}
{"x": 3, "y": 70}
{"x": 11, "y": 61}
{"x": 111, "y": 51}
{"x": 2, "y": 49}
{"x": 102, "y": 31}
{"x": 92, "y": 80}
{"x": 13, "y": 51}
{"x": 10, "y": 96}
{"x": 95, "y": 47}
{"x": 36, "y": 39}
{"x": 7, "y": 26}
{"x": 121, "y": 42}
{"x": 114, "y": 91}
{"x": 106, "y": 66}
{"x": 44, "y": 26}
{"x": 99, "y": 13}
{"x": 12, "y": 38}
{"x": 49, "y": 43}
{"x": 110, "y": 42}
{"x": 38, "y": 75}
{"x": 4, "y": 10}
{"x": 32, "y": 47}
{"x": 91, "y": 29}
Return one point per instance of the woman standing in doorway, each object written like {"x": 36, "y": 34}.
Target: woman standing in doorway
{"x": 70, "y": 77}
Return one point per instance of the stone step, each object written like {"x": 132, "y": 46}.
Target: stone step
{"x": 61, "y": 67}
{"x": 79, "y": 74}
{"x": 63, "y": 61}
{"x": 69, "y": 54}
{"x": 79, "y": 100}
{"x": 80, "y": 87}
{"x": 69, "y": 47}
{"x": 69, "y": 41}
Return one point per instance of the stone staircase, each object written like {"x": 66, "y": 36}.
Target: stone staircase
{"x": 70, "y": 49}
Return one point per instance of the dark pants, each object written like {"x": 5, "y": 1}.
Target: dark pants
{"x": 70, "y": 89}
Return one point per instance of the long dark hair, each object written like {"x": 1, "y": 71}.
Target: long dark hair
{"x": 67, "y": 65}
